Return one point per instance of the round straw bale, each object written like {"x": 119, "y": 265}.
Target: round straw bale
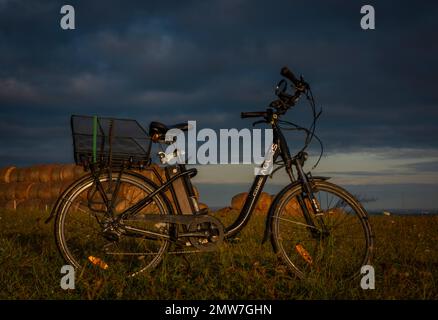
{"x": 34, "y": 174}
{"x": 68, "y": 172}
{"x": 264, "y": 202}
{"x": 5, "y": 174}
{"x": 45, "y": 173}
{"x": 23, "y": 174}
{"x": 22, "y": 190}
{"x": 44, "y": 191}
{"x": 293, "y": 207}
{"x": 9, "y": 193}
{"x": 79, "y": 172}
{"x": 238, "y": 200}
{"x": 56, "y": 174}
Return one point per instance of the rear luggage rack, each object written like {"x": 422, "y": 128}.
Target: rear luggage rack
{"x": 110, "y": 142}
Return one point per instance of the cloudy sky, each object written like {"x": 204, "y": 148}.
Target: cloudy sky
{"x": 174, "y": 61}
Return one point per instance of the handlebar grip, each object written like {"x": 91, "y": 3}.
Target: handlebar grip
{"x": 253, "y": 114}
{"x": 285, "y": 72}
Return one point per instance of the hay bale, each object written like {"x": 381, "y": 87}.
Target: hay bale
{"x": 22, "y": 190}
{"x": 43, "y": 191}
{"x": 65, "y": 185}
{"x": 292, "y": 206}
{"x": 34, "y": 174}
{"x": 238, "y": 200}
{"x": 68, "y": 172}
{"x": 224, "y": 211}
{"x": 129, "y": 195}
{"x": 45, "y": 173}
{"x": 150, "y": 209}
{"x": 152, "y": 175}
{"x": 13, "y": 176}
{"x": 264, "y": 202}
{"x": 5, "y": 174}
{"x": 57, "y": 188}
{"x": 134, "y": 194}
{"x": 78, "y": 172}
{"x": 56, "y": 174}
{"x": 121, "y": 205}
{"x": 23, "y": 174}
{"x": 7, "y": 191}
{"x": 33, "y": 192}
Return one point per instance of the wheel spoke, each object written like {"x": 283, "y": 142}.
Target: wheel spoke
{"x": 128, "y": 254}
{"x": 338, "y": 253}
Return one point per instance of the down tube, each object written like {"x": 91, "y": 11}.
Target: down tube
{"x": 248, "y": 207}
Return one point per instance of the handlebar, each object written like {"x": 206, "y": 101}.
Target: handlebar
{"x": 285, "y": 72}
{"x": 285, "y": 100}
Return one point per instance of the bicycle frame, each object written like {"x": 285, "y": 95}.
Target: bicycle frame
{"x": 280, "y": 148}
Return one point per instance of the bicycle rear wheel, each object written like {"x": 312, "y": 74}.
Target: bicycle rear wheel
{"x": 81, "y": 219}
{"x": 337, "y": 254}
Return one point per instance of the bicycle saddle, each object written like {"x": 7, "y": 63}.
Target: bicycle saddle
{"x": 159, "y": 129}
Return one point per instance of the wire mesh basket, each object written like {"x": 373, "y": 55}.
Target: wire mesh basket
{"x": 110, "y": 142}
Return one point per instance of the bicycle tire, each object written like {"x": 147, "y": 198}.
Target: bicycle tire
{"x": 68, "y": 199}
{"x": 296, "y": 253}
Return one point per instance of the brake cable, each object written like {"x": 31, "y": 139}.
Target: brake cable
{"x": 310, "y": 133}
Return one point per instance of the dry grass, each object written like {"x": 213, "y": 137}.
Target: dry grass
{"x": 406, "y": 263}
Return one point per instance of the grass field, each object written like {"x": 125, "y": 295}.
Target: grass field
{"x": 406, "y": 267}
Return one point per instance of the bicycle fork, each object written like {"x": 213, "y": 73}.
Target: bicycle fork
{"x": 315, "y": 208}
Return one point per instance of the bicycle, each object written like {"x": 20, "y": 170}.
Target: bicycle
{"x": 116, "y": 218}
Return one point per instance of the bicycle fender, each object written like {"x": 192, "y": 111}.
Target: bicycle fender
{"x": 268, "y": 225}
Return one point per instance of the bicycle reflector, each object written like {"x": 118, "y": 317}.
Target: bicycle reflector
{"x": 303, "y": 253}
{"x": 98, "y": 262}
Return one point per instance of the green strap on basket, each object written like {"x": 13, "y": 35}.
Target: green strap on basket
{"x": 94, "y": 139}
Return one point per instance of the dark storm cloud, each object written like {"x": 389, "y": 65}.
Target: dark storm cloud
{"x": 209, "y": 60}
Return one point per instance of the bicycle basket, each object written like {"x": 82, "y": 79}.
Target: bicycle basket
{"x": 109, "y": 142}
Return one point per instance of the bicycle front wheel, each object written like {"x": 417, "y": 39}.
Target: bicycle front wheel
{"x": 83, "y": 215}
{"x": 333, "y": 244}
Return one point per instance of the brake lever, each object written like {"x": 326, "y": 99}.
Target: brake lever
{"x": 303, "y": 85}
{"x": 258, "y": 122}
